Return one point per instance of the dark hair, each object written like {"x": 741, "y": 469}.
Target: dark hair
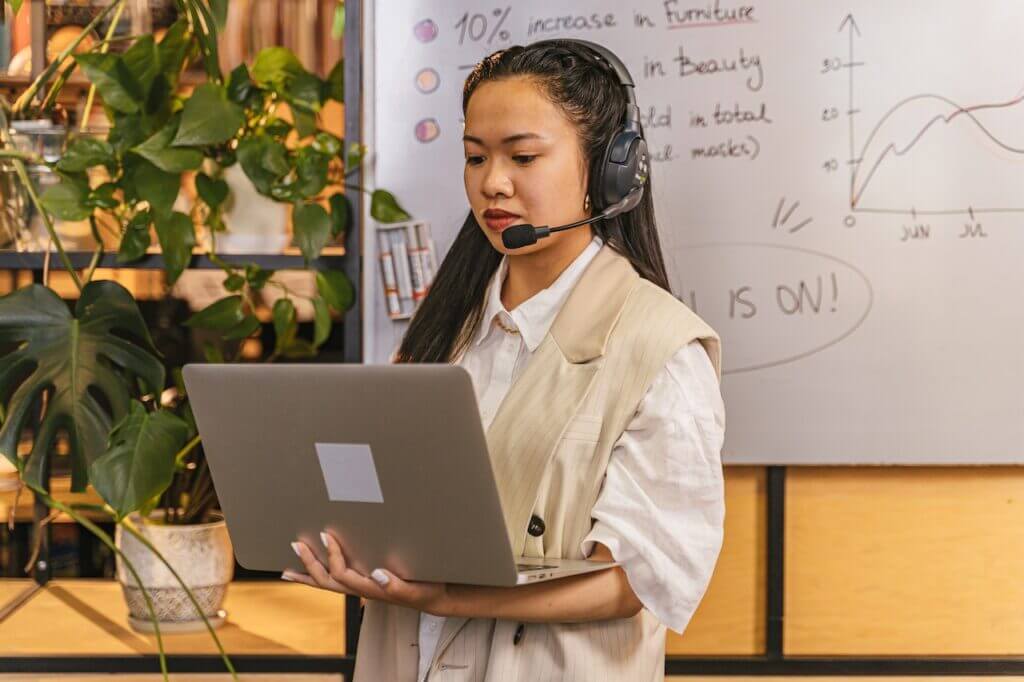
{"x": 587, "y": 90}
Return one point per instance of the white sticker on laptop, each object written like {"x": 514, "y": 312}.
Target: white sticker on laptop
{"x": 349, "y": 472}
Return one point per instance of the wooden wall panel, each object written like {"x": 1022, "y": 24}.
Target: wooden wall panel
{"x": 905, "y": 561}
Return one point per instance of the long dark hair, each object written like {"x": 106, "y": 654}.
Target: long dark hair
{"x": 590, "y": 95}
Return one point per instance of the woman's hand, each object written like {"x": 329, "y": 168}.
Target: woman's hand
{"x": 382, "y": 585}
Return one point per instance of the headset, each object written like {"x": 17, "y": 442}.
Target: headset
{"x": 624, "y": 167}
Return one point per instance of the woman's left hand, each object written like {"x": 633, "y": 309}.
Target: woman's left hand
{"x": 382, "y": 585}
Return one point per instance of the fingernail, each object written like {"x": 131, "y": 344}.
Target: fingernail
{"x": 380, "y": 577}
{"x": 323, "y": 539}
{"x": 285, "y": 576}
{"x": 295, "y": 548}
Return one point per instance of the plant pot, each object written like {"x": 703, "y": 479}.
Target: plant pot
{"x": 200, "y": 553}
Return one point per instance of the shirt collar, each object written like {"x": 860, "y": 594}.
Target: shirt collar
{"x": 533, "y": 317}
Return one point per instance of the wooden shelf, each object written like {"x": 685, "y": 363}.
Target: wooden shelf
{"x": 290, "y": 259}
{"x": 86, "y": 617}
{"x": 17, "y": 81}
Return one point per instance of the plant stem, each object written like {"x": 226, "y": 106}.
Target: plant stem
{"x": 103, "y": 50}
{"x": 183, "y": 453}
{"x": 19, "y": 166}
{"x": 106, "y": 540}
{"x": 127, "y": 524}
{"x": 99, "y": 249}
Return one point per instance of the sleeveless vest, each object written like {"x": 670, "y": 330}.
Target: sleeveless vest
{"x": 614, "y": 333}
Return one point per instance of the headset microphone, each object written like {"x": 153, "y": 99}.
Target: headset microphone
{"x": 518, "y": 236}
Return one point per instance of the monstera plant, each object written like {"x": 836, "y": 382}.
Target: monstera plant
{"x": 93, "y": 373}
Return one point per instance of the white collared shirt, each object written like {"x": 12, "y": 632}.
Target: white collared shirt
{"x": 661, "y": 509}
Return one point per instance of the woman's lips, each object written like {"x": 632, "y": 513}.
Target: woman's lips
{"x": 499, "y": 224}
{"x": 499, "y": 220}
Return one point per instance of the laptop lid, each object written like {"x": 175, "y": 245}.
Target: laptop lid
{"x": 392, "y": 459}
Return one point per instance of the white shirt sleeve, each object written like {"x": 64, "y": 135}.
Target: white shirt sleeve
{"x": 661, "y": 507}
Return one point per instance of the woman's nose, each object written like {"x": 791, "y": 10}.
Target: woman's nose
{"x": 497, "y": 181}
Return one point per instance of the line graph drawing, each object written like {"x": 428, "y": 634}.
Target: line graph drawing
{"x": 880, "y": 147}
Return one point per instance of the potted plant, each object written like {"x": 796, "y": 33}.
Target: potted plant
{"x": 93, "y": 372}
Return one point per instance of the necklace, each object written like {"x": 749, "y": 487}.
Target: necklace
{"x": 508, "y": 330}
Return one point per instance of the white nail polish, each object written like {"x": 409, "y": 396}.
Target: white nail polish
{"x": 323, "y": 539}
{"x": 295, "y": 548}
{"x": 380, "y": 577}
{"x": 285, "y": 576}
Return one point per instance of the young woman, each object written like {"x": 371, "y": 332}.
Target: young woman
{"x": 598, "y": 389}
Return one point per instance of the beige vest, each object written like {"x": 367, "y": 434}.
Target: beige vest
{"x": 550, "y": 443}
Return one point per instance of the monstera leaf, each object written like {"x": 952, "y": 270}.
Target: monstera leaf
{"x": 140, "y": 462}
{"x": 89, "y": 364}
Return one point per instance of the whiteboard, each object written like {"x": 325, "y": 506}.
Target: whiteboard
{"x": 839, "y": 190}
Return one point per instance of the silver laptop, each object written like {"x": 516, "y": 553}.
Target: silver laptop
{"x": 391, "y": 459}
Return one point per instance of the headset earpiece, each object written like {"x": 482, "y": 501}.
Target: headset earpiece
{"x": 625, "y": 165}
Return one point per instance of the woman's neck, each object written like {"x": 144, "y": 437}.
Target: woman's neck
{"x": 532, "y": 272}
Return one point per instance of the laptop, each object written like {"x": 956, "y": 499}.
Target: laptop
{"x": 390, "y": 459}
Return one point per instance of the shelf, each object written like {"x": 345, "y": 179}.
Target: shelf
{"x": 85, "y": 617}
{"x": 13, "y": 81}
{"x": 331, "y": 257}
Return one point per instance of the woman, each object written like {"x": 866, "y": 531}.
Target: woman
{"x": 598, "y": 389}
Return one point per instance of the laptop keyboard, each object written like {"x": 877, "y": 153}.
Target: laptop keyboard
{"x": 531, "y": 567}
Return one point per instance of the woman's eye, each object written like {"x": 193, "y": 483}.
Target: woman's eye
{"x": 523, "y": 159}
{"x": 474, "y": 160}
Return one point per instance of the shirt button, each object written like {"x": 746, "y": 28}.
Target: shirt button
{"x": 433, "y": 627}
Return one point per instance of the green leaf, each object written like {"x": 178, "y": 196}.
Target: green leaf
{"x": 274, "y": 65}
{"x": 212, "y": 353}
{"x": 312, "y": 227}
{"x": 321, "y": 321}
{"x": 84, "y": 153}
{"x": 88, "y": 371}
{"x": 341, "y": 212}
{"x": 299, "y": 348}
{"x": 278, "y": 127}
{"x": 285, "y": 324}
{"x": 174, "y": 47}
{"x": 234, "y": 282}
{"x": 355, "y": 155}
{"x": 219, "y": 9}
{"x": 177, "y": 237}
{"x": 385, "y": 208}
{"x": 335, "y": 288}
{"x": 240, "y": 85}
{"x": 159, "y": 188}
{"x": 304, "y": 91}
{"x": 310, "y": 171}
{"x": 212, "y": 192}
{"x": 158, "y": 151}
{"x": 305, "y": 122}
{"x": 113, "y": 80}
{"x": 66, "y": 200}
{"x": 139, "y": 464}
{"x": 221, "y": 315}
{"x": 209, "y": 117}
{"x": 336, "y": 82}
{"x": 136, "y": 238}
{"x": 328, "y": 144}
{"x": 264, "y": 160}
{"x": 247, "y": 327}
{"x": 103, "y": 196}
{"x": 257, "y": 276}
{"x": 143, "y": 62}
{"x": 128, "y": 130}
